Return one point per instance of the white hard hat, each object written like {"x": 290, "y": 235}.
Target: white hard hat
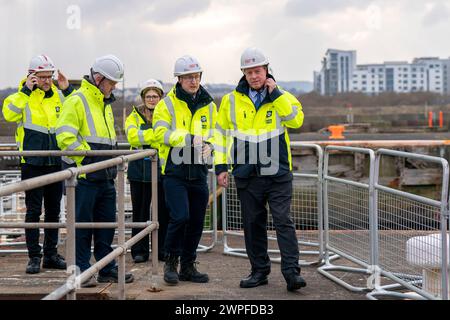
{"x": 110, "y": 67}
{"x": 41, "y": 63}
{"x": 253, "y": 57}
{"x": 152, "y": 84}
{"x": 186, "y": 65}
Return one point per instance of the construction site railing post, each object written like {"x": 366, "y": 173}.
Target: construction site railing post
{"x": 121, "y": 228}
{"x": 155, "y": 280}
{"x": 72, "y": 269}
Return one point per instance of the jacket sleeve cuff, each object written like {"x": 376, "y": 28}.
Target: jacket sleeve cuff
{"x": 68, "y": 90}
{"x": 26, "y": 90}
{"x": 275, "y": 94}
{"x": 221, "y": 168}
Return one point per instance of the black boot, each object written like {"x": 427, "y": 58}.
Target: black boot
{"x": 171, "y": 270}
{"x": 188, "y": 272}
{"x": 34, "y": 265}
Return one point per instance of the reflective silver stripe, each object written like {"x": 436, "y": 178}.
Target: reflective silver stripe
{"x": 141, "y": 137}
{"x": 88, "y": 113}
{"x": 171, "y": 109}
{"x": 187, "y": 139}
{"x": 67, "y": 160}
{"x": 130, "y": 127}
{"x": 167, "y": 137}
{"x": 233, "y": 110}
{"x": 100, "y": 140}
{"x": 161, "y": 123}
{"x": 220, "y": 148}
{"x": 260, "y": 138}
{"x": 69, "y": 129}
{"x": 290, "y": 116}
{"x": 14, "y": 109}
{"x": 74, "y": 145}
{"x": 162, "y": 161}
{"x": 220, "y": 129}
{"x": 36, "y": 127}
{"x": 211, "y": 132}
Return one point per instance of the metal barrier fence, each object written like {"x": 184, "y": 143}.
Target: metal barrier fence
{"x": 348, "y": 211}
{"x": 398, "y": 239}
{"x": 70, "y": 176}
{"x": 411, "y": 247}
{"x": 306, "y": 209}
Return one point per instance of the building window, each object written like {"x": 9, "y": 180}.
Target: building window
{"x": 364, "y": 82}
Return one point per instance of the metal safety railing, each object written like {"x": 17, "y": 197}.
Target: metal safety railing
{"x": 348, "y": 210}
{"x": 397, "y": 239}
{"x": 411, "y": 244}
{"x": 306, "y": 211}
{"x": 70, "y": 177}
{"x": 11, "y": 205}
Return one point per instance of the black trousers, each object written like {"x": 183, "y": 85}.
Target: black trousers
{"x": 141, "y": 196}
{"x": 254, "y": 193}
{"x": 187, "y": 201}
{"x": 51, "y": 194}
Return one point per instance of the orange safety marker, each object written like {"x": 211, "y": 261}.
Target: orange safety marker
{"x": 336, "y": 132}
{"x": 430, "y": 119}
{"x": 441, "y": 119}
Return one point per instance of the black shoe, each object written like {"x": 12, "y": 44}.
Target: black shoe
{"x": 140, "y": 259}
{"x": 113, "y": 276}
{"x": 255, "y": 279}
{"x": 170, "y": 270}
{"x": 34, "y": 265}
{"x": 295, "y": 282}
{"x": 54, "y": 262}
{"x": 188, "y": 272}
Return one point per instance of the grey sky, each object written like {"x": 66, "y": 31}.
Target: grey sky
{"x": 148, "y": 36}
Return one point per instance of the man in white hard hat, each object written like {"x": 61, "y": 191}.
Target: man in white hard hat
{"x": 252, "y": 125}
{"x": 183, "y": 123}
{"x": 35, "y": 107}
{"x": 87, "y": 123}
{"x": 140, "y": 135}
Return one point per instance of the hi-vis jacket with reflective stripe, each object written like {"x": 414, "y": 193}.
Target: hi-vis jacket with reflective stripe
{"x": 87, "y": 123}
{"x": 255, "y": 141}
{"x": 177, "y": 118}
{"x": 140, "y": 136}
{"x": 36, "y": 113}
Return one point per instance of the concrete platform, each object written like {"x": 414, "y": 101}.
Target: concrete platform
{"x": 224, "y": 271}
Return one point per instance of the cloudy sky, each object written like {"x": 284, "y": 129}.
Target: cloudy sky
{"x": 148, "y": 36}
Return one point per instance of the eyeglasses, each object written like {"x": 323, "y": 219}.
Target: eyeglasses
{"x": 192, "y": 78}
{"x": 152, "y": 97}
{"x": 44, "y": 78}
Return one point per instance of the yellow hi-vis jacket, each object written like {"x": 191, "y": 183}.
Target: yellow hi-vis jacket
{"x": 87, "y": 123}
{"x": 255, "y": 142}
{"x": 140, "y": 136}
{"x": 35, "y": 113}
{"x": 176, "y": 120}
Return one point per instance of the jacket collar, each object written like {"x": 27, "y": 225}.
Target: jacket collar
{"x": 243, "y": 87}
{"x": 202, "y": 98}
{"x": 88, "y": 85}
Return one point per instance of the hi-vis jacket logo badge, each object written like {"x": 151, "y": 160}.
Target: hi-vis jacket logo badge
{"x": 269, "y": 117}
{"x": 203, "y": 120}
